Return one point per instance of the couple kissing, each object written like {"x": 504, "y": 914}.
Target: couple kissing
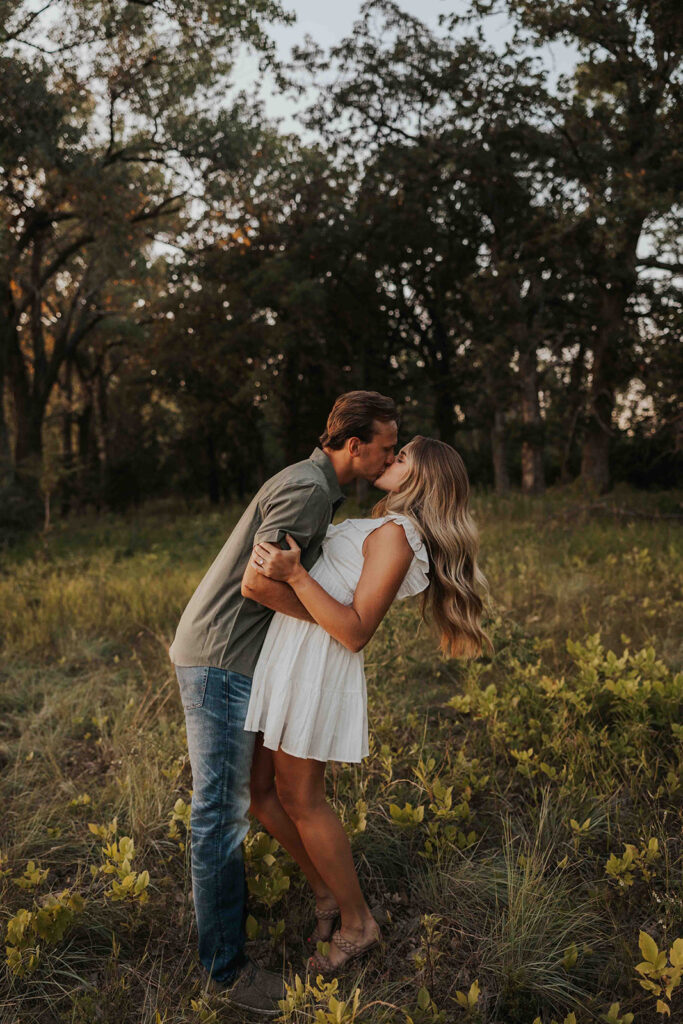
{"x": 269, "y": 659}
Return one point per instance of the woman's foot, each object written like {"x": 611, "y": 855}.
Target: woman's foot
{"x": 346, "y": 945}
{"x": 326, "y": 913}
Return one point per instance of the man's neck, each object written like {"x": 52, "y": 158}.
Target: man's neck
{"x": 341, "y": 465}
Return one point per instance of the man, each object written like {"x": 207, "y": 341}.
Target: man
{"x": 215, "y": 650}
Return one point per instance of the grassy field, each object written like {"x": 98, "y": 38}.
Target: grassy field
{"x": 518, "y": 824}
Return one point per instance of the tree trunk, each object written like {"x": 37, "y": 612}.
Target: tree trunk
{"x": 28, "y": 448}
{"x": 574, "y": 409}
{"x": 87, "y": 456}
{"x": 595, "y": 470}
{"x": 533, "y": 479}
{"x": 596, "y": 445}
{"x": 67, "y": 441}
{"x": 29, "y": 412}
{"x": 6, "y": 472}
{"x": 6, "y": 326}
{"x": 21, "y": 504}
{"x": 501, "y": 475}
{"x": 102, "y": 438}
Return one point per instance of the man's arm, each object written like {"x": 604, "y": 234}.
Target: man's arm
{"x": 386, "y": 562}
{"x": 273, "y": 594}
{"x": 301, "y": 511}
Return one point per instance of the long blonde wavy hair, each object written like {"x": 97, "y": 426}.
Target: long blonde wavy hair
{"x": 435, "y": 495}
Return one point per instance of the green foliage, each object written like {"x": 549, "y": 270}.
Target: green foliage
{"x": 356, "y": 820}
{"x": 182, "y": 813}
{"x": 569, "y": 1019}
{"x": 127, "y": 883}
{"x": 468, "y": 1000}
{"x": 614, "y": 1017}
{"x": 29, "y": 931}
{"x": 425, "y": 1011}
{"x": 266, "y": 878}
{"x": 408, "y": 816}
{"x": 32, "y": 876}
{"x": 660, "y": 974}
{"x": 318, "y": 1002}
{"x": 622, "y": 869}
{"x": 427, "y": 957}
{"x": 503, "y": 877}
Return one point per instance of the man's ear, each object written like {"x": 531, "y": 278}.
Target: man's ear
{"x": 354, "y": 444}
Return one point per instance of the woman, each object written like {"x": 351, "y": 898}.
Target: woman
{"x": 308, "y": 698}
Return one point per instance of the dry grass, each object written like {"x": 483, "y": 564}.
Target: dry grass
{"x": 89, "y": 710}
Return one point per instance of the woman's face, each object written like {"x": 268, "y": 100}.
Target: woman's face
{"x": 392, "y": 477}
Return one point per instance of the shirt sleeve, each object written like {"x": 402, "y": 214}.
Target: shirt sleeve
{"x": 301, "y": 511}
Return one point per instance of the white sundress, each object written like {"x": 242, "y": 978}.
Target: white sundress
{"x": 308, "y": 694}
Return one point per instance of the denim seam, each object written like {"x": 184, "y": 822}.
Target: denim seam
{"x": 203, "y": 686}
{"x": 219, "y": 831}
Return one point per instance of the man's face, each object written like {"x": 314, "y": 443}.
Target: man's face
{"x": 373, "y": 458}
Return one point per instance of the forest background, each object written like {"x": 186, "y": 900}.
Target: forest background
{"x": 186, "y": 286}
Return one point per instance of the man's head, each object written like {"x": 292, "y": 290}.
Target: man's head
{"x": 361, "y": 435}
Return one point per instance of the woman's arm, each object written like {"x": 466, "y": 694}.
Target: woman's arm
{"x": 387, "y": 559}
{"x": 273, "y": 594}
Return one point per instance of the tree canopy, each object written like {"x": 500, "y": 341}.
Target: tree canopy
{"x": 185, "y": 288}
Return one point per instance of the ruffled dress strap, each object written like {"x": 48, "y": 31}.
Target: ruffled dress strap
{"x": 417, "y": 577}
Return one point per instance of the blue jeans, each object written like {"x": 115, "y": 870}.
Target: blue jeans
{"x": 215, "y": 703}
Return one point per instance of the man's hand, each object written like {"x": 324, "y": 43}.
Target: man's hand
{"x": 276, "y": 563}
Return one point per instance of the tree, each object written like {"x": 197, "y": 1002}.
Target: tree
{"x": 98, "y": 158}
{"x": 466, "y": 127}
{"x": 620, "y": 125}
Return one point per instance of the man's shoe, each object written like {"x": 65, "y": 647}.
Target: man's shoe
{"x": 273, "y": 983}
{"x": 258, "y": 990}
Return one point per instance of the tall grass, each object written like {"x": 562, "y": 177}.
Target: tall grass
{"x": 498, "y": 887}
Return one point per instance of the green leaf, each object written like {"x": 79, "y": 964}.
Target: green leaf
{"x": 648, "y": 947}
{"x": 676, "y": 953}
{"x": 423, "y": 999}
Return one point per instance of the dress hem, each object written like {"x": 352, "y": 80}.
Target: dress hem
{"x": 310, "y": 757}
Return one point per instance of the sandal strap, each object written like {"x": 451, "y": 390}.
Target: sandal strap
{"x": 327, "y": 915}
{"x": 321, "y": 963}
{"x": 349, "y": 947}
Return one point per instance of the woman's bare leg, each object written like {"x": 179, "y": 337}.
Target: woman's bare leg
{"x": 266, "y": 807}
{"x": 300, "y": 784}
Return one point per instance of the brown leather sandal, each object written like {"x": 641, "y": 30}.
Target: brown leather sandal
{"x": 322, "y": 915}
{"x": 322, "y": 965}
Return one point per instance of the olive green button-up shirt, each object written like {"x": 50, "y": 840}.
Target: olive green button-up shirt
{"x": 219, "y": 626}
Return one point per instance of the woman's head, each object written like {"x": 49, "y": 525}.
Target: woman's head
{"x": 427, "y": 470}
{"x": 428, "y": 482}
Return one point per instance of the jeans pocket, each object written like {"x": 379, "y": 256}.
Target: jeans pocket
{"x": 192, "y": 683}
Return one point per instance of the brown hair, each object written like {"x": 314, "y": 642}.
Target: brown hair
{"x": 435, "y": 495}
{"x": 353, "y": 415}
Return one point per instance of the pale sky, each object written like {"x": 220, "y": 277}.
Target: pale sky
{"x": 328, "y": 23}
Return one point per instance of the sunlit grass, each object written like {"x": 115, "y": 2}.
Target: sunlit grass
{"x": 91, "y": 729}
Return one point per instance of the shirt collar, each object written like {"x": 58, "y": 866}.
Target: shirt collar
{"x": 320, "y": 459}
